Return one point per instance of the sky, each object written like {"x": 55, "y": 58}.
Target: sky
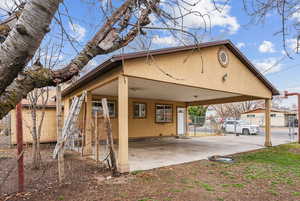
{"x": 258, "y": 42}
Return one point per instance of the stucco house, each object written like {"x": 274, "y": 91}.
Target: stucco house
{"x": 279, "y": 118}
{"x": 148, "y": 92}
{"x": 48, "y": 129}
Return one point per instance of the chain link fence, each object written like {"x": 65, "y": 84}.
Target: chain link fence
{"x": 5, "y": 132}
{"x": 199, "y": 126}
{"x": 286, "y": 125}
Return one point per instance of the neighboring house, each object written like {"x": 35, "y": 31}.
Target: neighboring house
{"x": 148, "y": 92}
{"x": 279, "y": 118}
{"x": 49, "y": 124}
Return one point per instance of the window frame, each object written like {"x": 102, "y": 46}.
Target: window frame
{"x": 250, "y": 115}
{"x": 166, "y": 121}
{"x": 133, "y": 110}
{"x": 108, "y": 102}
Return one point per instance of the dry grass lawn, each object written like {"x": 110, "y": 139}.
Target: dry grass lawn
{"x": 267, "y": 174}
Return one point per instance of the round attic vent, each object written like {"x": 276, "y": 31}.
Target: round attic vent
{"x": 223, "y": 57}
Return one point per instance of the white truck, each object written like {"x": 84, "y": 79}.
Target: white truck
{"x": 240, "y": 127}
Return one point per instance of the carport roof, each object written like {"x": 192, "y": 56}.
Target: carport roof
{"x": 116, "y": 61}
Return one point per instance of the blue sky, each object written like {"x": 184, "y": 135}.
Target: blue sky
{"x": 257, "y": 42}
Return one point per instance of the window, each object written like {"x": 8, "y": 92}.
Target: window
{"x": 250, "y": 115}
{"x": 139, "y": 110}
{"x": 163, "y": 113}
{"x": 273, "y": 115}
{"x": 97, "y": 107}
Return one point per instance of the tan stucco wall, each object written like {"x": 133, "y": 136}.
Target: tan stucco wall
{"x": 98, "y": 82}
{"x": 188, "y": 70}
{"x": 259, "y": 118}
{"x": 139, "y": 128}
{"x": 48, "y": 129}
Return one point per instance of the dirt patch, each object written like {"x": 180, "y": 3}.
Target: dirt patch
{"x": 246, "y": 180}
{"x": 78, "y": 171}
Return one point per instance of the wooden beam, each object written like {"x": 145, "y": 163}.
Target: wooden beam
{"x": 223, "y": 100}
{"x": 123, "y": 165}
{"x": 61, "y": 162}
{"x": 89, "y": 123}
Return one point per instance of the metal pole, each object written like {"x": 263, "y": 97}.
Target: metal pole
{"x": 298, "y": 118}
{"x": 286, "y": 94}
{"x": 19, "y": 129}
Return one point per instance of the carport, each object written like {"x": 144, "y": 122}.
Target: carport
{"x": 149, "y": 93}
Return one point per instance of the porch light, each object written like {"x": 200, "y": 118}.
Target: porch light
{"x": 224, "y": 78}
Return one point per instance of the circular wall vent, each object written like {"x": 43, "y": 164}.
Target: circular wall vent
{"x": 223, "y": 57}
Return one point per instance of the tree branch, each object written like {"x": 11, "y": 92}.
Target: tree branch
{"x": 25, "y": 38}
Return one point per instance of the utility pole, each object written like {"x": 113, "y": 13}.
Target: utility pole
{"x": 20, "y": 151}
{"x": 287, "y": 94}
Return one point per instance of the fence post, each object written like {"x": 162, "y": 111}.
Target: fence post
{"x": 61, "y": 162}
{"x": 20, "y": 152}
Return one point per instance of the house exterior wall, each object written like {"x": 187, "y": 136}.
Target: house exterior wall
{"x": 258, "y": 118}
{"x": 142, "y": 128}
{"x": 48, "y": 128}
{"x": 199, "y": 69}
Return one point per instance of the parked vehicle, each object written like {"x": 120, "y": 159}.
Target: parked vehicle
{"x": 240, "y": 127}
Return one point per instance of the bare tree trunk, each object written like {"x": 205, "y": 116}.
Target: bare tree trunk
{"x": 35, "y": 153}
{"x": 61, "y": 163}
{"x": 109, "y": 38}
{"x": 25, "y": 38}
{"x": 38, "y": 98}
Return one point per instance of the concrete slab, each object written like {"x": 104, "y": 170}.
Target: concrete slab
{"x": 154, "y": 153}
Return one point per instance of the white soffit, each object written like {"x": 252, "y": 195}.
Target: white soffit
{"x": 149, "y": 89}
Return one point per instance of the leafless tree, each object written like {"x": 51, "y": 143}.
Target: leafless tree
{"x": 289, "y": 15}
{"x": 38, "y": 99}
{"x": 24, "y": 29}
{"x": 234, "y": 110}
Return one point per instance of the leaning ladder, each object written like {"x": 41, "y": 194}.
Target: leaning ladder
{"x": 69, "y": 124}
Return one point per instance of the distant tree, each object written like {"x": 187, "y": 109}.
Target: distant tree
{"x": 198, "y": 110}
{"x": 234, "y": 110}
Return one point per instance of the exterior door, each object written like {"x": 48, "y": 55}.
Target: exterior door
{"x": 181, "y": 115}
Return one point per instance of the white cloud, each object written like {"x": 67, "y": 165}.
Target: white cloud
{"x": 296, "y": 14}
{"x": 165, "y": 40}
{"x": 293, "y": 44}
{"x": 268, "y": 65}
{"x": 211, "y": 17}
{"x": 240, "y": 45}
{"x": 6, "y": 5}
{"x": 266, "y": 47}
{"x": 78, "y": 32}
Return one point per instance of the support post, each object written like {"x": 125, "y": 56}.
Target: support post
{"x": 96, "y": 138}
{"x": 268, "y": 142}
{"x": 89, "y": 123}
{"x": 61, "y": 162}
{"x": 123, "y": 165}
{"x": 186, "y": 120}
{"x": 298, "y": 96}
{"x": 20, "y": 152}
